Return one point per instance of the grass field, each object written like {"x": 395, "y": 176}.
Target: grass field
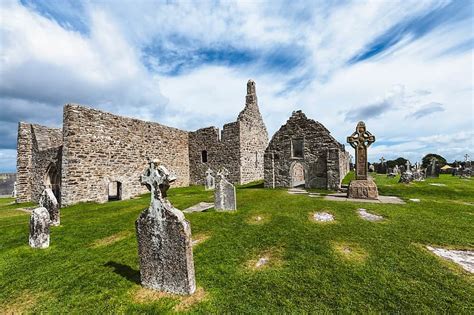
{"x": 350, "y": 265}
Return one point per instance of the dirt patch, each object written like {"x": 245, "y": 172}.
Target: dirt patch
{"x": 270, "y": 258}
{"x": 258, "y": 219}
{"x": 185, "y": 302}
{"x": 109, "y": 240}
{"x": 199, "y": 238}
{"x": 21, "y": 304}
{"x": 350, "y": 251}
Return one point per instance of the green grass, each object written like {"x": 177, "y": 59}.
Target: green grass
{"x": 387, "y": 270}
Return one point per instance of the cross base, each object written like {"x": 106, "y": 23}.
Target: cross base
{"x": 362, "y": 189}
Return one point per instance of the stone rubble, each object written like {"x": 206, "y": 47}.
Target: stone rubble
{"x": 323, "y": 217}
{"x": 39, "y": 228}
{"x": 164, "y": 238}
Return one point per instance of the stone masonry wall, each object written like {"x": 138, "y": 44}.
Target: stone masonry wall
{"x": 321, "y": 155}
{"x": 100, "y": 148}
{"x": 240, "y": 148}
{"x": 253, "y": 138}
{"x": 38, "y": 147}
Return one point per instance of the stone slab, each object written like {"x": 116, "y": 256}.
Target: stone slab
{"x": 363, "y": 214}
{"x": 464, "y": 258}
{"x": 39, "y": 228}
{"x": 381, "y": 199}
{"x": 48, "y": 200}
{"x": 199, "y": 207}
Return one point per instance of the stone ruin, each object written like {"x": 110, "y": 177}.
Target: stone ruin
{"x": 48, "y": 201}
{"x": 96, "y": 156}
{"x": 224, "y": 195}
{"x": 303, "y": 153}
{"x": 164, "y": 238}
{"x": 363, "y": 187}
{"x": 39, "y": 228}
{"x": 210, "y": 182}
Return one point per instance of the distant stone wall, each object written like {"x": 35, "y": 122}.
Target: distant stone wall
{"x": 7, "y": 183}
{"x": 100, "y": 148}
{"x": 240, "y": 148}
{"x": 38, "y": 147}
{"x": 321, "y": 156}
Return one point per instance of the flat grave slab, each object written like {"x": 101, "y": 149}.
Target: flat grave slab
{"x": 381, "y": 199}
{"x": 297, "y": 191}
{"x": 363, "y": 214}
{"x": 199, "y": 207}
{"x": 464, "y": 258}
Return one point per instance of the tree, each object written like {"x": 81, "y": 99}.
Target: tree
{"x": 426, "y": 160}
{"x": 399, "y": 161}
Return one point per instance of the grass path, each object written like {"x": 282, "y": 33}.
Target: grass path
{"x": 350, "y": 265}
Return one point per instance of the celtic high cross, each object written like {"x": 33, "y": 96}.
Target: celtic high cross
{"x": 360, "y": 140}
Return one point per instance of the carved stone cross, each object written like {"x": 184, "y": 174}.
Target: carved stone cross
{"x": 209, "y": 172}
{"x": 466, "y": 157}
{"x": 158, "y": 179}
{"x": 382, "y": 160}
{"x": 360, "y": 140}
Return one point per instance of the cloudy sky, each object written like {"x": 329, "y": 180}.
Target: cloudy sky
{"x": 404, "y": 67}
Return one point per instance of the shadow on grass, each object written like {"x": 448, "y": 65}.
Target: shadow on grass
{"x": 125, "y": 271}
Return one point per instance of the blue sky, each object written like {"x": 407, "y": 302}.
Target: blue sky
{"x": 404, "y": 67}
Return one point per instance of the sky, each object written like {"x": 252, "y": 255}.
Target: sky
{"x": 403, "y": 67}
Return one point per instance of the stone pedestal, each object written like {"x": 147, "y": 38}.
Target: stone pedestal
{"x": 39, "y": 228}
{"x": 48, "y": 200}
{"x": 165, "y": 251}
{"x": 363, "y": 189}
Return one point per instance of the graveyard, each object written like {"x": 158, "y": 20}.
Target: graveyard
{"x": 269, "y": 256}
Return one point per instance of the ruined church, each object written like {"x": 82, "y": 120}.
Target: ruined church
{"x": 302, "y": 153}
{"x": 98, "y": 156}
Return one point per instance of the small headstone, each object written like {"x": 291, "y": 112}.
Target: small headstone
{"x": 39, "y": 228}
{"x": 323, "y": 217}
{"x": 48, "y": 200}
{"x": 14, "y": 192}
{"x": 368, "y": 216}
{"x": 164, "y": 238}
{"x": 224, "y": 194}
{"x": 209, "y": 181}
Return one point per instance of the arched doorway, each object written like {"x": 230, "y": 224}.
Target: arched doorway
{"x": 297, "y": 175}
{"x": 52, "y": 180}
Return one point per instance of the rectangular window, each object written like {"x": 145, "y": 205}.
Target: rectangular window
{"x": 204, "y": 156}
{"x": 297, "y": 148}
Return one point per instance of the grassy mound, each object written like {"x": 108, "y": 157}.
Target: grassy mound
{"x": 348, "y": 265}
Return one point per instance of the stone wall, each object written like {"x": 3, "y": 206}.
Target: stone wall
{"x": 100, "y": 148}
{"x": 38, "y": 149}
{"x": 240, "y": 148}
{"x": 322, "y": 156}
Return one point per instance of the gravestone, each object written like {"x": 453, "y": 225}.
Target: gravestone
{"x": 39, "y": 228}
{"x": 382, "y": 166}
{"x": 164, "y": 238}
{"x": 224, "y": 195}
{"x": 466, "y": 171}
{"x": 48, "y": 201}
{"x": 433, "y": 169}
{"x": 14, "y": 192}
{"x": 396, "y": 170}
{"x": 362, "y": 187}
{"x": 209, "y": 183}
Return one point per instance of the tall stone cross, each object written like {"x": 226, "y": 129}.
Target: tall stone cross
{"x": 158, "y": 179}
{"x": 382, "y": 160}
{"x": 466, "y": 157}
{"x": 408, "y": 166}
{"x": 360, "y": 140}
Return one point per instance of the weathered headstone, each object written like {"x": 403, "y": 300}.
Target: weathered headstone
{"x": 224, "y": 195}
{"x": 164, "y": 238}
{"x": 362, "y": 187}
{"x": 466, "y": 171}
{"x": 39, "y": 228}
{"x": 382, "y": 166}
{"x": 209, "y": 183}
{"x": 433, "y": 168}
{"x": 14, "y": 190}
{"x": 48, "y": 201}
